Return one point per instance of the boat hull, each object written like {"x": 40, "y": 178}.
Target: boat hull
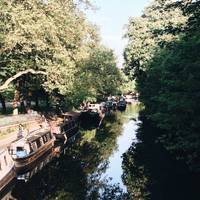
{"x": 89, "y": 119}
{"x": 66, "y": 133}
{"x": 23, "y": 163}
{"x": 121, "y": 107}
{"x": 71, "y": 132}
{"x": 8, "y": 178}
{"x": 37, "y": 164}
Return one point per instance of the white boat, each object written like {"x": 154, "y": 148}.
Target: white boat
{"x": 7, "y": 173}
{"x": 27, "y": 150}
{"x": 38, "y": 166}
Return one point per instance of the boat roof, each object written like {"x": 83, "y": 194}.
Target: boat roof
{"x": 36, "y": 136}
{"x": 72, "y": 114}
{"x": 30, "y": 138}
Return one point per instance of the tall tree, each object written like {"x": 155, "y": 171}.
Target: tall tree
{"x": 44, "y": 37}
{"x": 163, "y": 56}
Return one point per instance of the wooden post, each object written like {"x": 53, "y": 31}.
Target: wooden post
{"x": 16, "y": 100}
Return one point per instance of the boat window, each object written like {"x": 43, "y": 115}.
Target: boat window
{"x": 38, "y": 143}
{"x": 6, "y": 163}
{"x": 20, "y": 153}
{"x": 41, "y": 141}
{"x": 44, "y": 138}
{"x": 31, "y": 149}
{"x": 33, "y": 146}
{"x": 27, "y": 148}
{"x": 20, "y": 148}
{"x": 47, "y": 136}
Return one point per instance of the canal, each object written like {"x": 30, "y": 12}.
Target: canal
{"x": 89, "y": 167}
{"x": 92, "y": 165}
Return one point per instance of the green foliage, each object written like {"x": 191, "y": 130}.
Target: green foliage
{"x": 163, "y": 56}
{"x": 159, "y": 25}
{"x": 55, "y": 37}
{"x": 98, "y": 76}
{"x": 151, "y": 173}
{"x": 127, "y": 85}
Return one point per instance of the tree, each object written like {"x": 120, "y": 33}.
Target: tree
{"x": 101, "y": 68}
{"x": 165, "y": 62}
{"x": 51, "y": 37}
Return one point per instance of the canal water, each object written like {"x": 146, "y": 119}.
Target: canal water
{"x": 91, "y": 166}
{"x": 129, "y": 120}
{"x": 88, "y": 167}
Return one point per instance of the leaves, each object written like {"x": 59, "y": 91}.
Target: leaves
{"x": 163, "y": 55}
{"x": 55, "y": 37}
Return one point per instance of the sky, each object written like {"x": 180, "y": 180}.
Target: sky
{"x": 111, "y": 17}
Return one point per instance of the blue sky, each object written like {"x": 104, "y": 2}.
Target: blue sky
{"x": 111, "y": 17}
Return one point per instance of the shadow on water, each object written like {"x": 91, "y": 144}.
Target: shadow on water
{"x": 150, "y": 173}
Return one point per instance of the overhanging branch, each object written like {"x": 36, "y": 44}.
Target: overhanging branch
{"x": 8, "y": 81}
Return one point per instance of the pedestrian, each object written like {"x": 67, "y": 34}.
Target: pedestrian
{"x": 20, "y": 131}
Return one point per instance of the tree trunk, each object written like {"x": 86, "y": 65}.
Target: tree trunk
{"x": 22, "y": 107}
{"x": 36, "y": 102}
{"x": 2, "y": 100}
{"x": 16, "y": 101}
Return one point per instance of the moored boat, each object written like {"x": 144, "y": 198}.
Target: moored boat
{"x": 27, "y": 150}
{"x": 89, "y": 119}
{"x": 121, "y": 105}
{"x": 65, "y": 129}
{"x": 7, "y": 173}
{"x": 109, "y": 105}
{"x": 28, "y": 173}
{"x": 70, "y": 128}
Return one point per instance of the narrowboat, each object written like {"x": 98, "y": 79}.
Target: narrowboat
{"x": 121, "y": 105}
{"x": 27, "y": 150}
{"x": 64, "y": 130}
{"x": 70, "y": 128}
{"x": 109, "y": 105}
{"x": 7, "y": 173}
{"x": 89, "y": 119}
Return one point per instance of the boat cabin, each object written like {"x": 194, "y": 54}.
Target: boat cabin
{"x": 26, "y": 146}
{"x": 65, "y": 129}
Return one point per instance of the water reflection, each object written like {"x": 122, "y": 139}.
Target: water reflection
{"x": 129, "y": 120}
{"x": 75, "y": 172}
{"x": 150, "y": 173}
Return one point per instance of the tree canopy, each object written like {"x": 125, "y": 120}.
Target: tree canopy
{"x": 55, "y": 38}
{"x": 162, "y": 55}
